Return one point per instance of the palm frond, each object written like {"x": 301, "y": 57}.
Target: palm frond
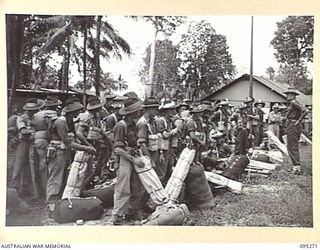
{"x": 56, "y": 39}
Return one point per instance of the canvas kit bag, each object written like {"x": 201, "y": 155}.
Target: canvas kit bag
{"x": 73, "y": 209}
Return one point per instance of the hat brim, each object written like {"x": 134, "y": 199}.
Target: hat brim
{"x": 96, "y": 106}
{"x": 291, "y": 92}
{"x": 53, "y": 104}
{"x": 197, "y": 110}
{"x": 40, "y": 105}
{"x": 262, "y": 103}
{"x": 131, "y": 109}
{"x": 243, "y": 107}
{"x": 75, "y": 107}
{"x": 109, "y": 97}
{"x": 150, "y": 106}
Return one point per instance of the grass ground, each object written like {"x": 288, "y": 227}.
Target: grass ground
{"x": 280, "y": 200}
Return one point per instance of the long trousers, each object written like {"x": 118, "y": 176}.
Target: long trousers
{"x": 128, "y": 191}
{"x": 56, "y": 170}
{"x": 293, "y": 137}
{"x": 21, "y": 176}
{"x": 39, "y": 169}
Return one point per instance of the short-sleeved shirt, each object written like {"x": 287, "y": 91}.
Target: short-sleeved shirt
{"x": 295, "y": 110}
{"x": 194, "y": 126}
{"x": 89, "y": 120}
{"x": 60, "y": 131}
{"x": 111, "y": 121}
{"x": 23, "y": 122}
{"x": 274, "y": 117}
{"x": 163, "y": 124}
{"x": 145, "y": 128}
{"x": 41, "y": 118}
{"x": 125, "y": 135}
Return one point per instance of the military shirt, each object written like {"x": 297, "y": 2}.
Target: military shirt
{"x": 125, "y": 135}
{"x": 295, "y": 110}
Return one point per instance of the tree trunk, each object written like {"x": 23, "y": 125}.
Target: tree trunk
{"x": 149, "y": 86}
{"x": 66, "y": 62}
{"x": 85, "y": 63}
{"x": 97, "y": 58}
{"x": 14, "y": 37}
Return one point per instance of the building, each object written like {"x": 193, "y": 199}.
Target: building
{"x": 22, "y": 95}
{"x": 263, "y": 89}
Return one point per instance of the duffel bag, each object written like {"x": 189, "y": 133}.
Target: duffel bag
{"x": 105, "y": 194}
{"x": 197, "y": 188}
{"x": 236, "y": 167}
{"x": 73, "y": 209}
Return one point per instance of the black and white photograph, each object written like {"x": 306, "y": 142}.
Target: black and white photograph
{"x": 168, "y": 120}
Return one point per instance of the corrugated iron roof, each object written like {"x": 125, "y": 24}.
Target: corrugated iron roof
{"x": 278, "y": 87}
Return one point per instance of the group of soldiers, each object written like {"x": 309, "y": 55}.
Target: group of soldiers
{"x": 115, "y": 130}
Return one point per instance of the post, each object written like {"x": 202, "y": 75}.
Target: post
{"x": 251, "y": 61}
{"x": 85, "y": 63}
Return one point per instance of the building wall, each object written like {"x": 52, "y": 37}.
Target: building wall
{"x": 237, "y": 92}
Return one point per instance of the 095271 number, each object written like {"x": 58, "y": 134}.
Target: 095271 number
{"x": 308, "y": 246}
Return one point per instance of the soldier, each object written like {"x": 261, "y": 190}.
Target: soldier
{"x": 21, "y": 176}
{"x": 221, "y": 117}
{"x": 295, "y": 114}
{"x": 252, "y": 121}
{"x": 91, "y": 131}
{"x": 165, "y": 130}
{"x": 147, "y": 133}
{"x": 195, "y": 131}
{"x": 128, "y": 190}
{"x": 58, "y": 149}
{"x": 108, "y": 100}
{"x": 283, "y": 122}
{"x": 110, "y": 121}
{"x": 274, "y": 120}
{"x": 242, "y": 142}
{"x": 42, "y": 122}
{"x": 258, "y": 110}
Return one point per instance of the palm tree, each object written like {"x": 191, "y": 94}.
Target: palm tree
{"x": 106, "y": 43}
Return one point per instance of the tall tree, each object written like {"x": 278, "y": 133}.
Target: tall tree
{"x": 270, "y": 73}
{"x": 206, "y": 62}
{"x": 15, "y": 25}
{"x": 106, "y": 43}
{"x": 293, "y": 43}
{"x": 166, "y": 66}
{"x": 161, "y": 24}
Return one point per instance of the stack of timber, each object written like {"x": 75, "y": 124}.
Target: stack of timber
{"x": 260, "y": 168}
{"x": 233, "y": 186}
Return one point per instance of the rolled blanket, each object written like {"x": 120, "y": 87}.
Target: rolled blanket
{"x": 179, "y": 173}
{"x": 77, "y": 175}
{"x": 151, "y": 181}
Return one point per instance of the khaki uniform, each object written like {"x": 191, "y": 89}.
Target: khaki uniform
{"x": 294, "y": 112}
{"x": 94, "y": 127}
{"x": 58, "y": 160}
{"x": 128, "y": 191}
{"x": 21, "y": 176}
{"x": 165, "y": 148}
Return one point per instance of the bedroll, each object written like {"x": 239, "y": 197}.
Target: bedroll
{"x": 179, "y": 174}
{"x": 151, "y": 181}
